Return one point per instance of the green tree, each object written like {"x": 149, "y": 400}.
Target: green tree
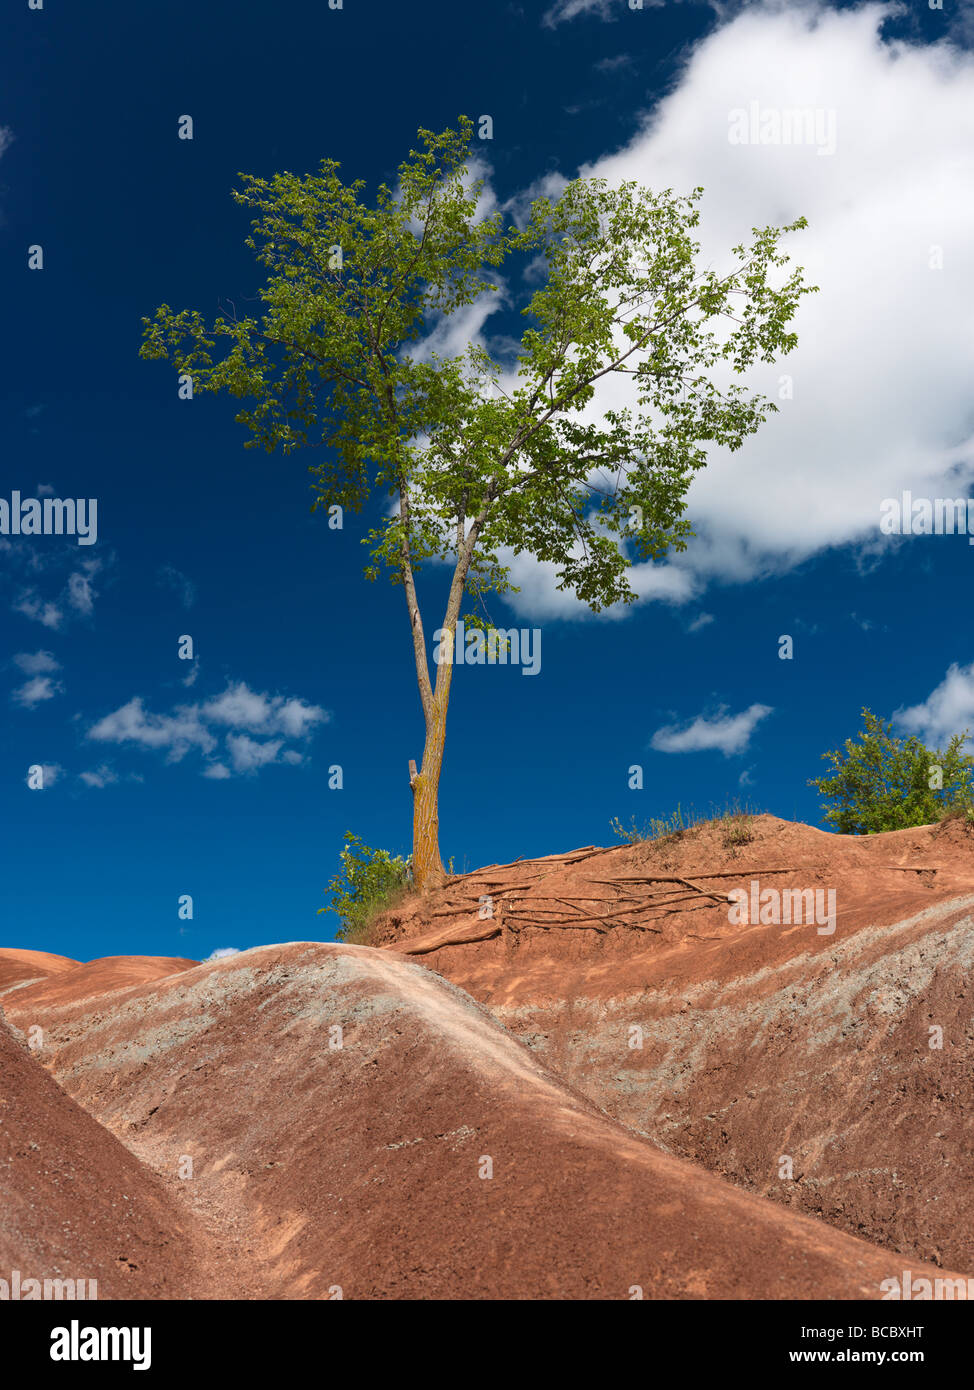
{"x": 880, "y": 782}
{"x": 369, "y": 881}
{"x": 483, "y": 456}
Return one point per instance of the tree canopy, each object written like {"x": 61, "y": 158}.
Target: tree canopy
{"x": 492, "y": 451}
{"x": 881, "y": 782}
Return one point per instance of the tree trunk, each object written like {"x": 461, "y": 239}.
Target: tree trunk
{"x": 428, "y": 871}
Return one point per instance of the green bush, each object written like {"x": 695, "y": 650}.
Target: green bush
{"x": 370, "y": 881}
{"x": 880, "y": 782}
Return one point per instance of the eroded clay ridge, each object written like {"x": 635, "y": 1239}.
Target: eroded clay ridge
{"x": 20, "y": 968}
{"x": 38, "y": 978}
{"x": 830, "y": 1070}
{"x": 76, "y": 1205}
{"x": 355, "y": 1122}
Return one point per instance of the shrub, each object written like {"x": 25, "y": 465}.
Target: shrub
{"x": 880, "y": 782}
{"x": 370, "y": 881}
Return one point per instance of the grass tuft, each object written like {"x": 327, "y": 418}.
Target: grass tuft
{"x": 737, "y": 820}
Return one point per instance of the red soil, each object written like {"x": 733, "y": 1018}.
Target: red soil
{"x": 318, "y": 1167}
{"x": 18, "y": 966}
{"x": 76, "y": 1204}
{"x": 361, "y": 1167}
{"x": 91, "y": 980}
{"x": 758, "y": 1041}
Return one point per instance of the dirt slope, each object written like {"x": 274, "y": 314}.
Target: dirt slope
{"x": 92, "y": 979}
{"x": 362, "y": 1166}
{"x": 743, "y": 1045}
{"x": 76, "y": 1204}
{"x": 17, "y": 967}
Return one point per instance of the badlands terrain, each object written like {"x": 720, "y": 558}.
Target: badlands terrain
{"x": 582, "y": 1076}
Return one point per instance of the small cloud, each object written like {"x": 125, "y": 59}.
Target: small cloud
{"x": 564, "y": 10}
{"x": 37, "y": 663}
{"x": 745, "y": 779}
{"x": 947, "y": 710}
{"x": 247, "y": 755}
{"x": 31, "y": 605}
{"x": 700, "y": 621}
{"x": 81, "y": 596}
{"x": 77, "y": 598}
{"x": 102, "y": 776}
{"x": 176, "y": 733}
{"x": 727, "y": 733}
{"x": 171, "y": 578}
{"x": 867, "y": 624}
{"x": 254, "y": 725}
{"x": 239, "y": 707}
{"x": 217, "y": 772}
{"x": 36, "y": 691}
{"x": 222, "y": 952}
{"x": 51, "y": 774}
{"x": 616, "y": 64}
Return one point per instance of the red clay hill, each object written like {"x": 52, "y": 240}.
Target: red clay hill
{"x": 564, "y": 1078}
{"x": 77, "y": 1205}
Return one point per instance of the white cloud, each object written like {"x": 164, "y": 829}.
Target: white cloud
{"x": 81, "y": 594}
{"x": 730, "y": 733}
{"x": 171, "y": 578}
{"x": 242, "y": 708}
{"x": 36, "y": 691}
{"x": 234, "y": 715}
{"x": 247, "y": 755}
{"x": 614, "y": 64}
{"x": 702, "y": 620}
{"x": 43, "y": 611}
{"x": 222, "y": 952}
{"x": 882, "y": 372}
{"x": 37, "y": 663}
{"x": 177, "y": 733}
{"x": 51, "y": 772}
{"x": 564, "y": 10}
{"x": 77, "y": 597}
{"x": 946, "y": 711}
{"x": 540, "y": 597}
{"x": 102, "y": 776}
{"x": 451, "y": 336}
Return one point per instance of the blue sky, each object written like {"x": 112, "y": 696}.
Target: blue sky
{"x": 211, "y": 778}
